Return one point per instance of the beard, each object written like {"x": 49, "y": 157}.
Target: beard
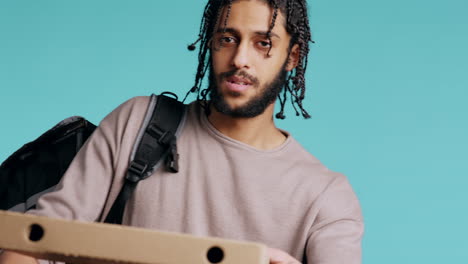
{"x": 256, "y": 105}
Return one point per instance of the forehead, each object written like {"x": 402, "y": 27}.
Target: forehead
{"x": 252, "y": 16}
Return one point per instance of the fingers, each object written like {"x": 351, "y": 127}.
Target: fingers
{"x": 278, "y": 256}
{"x": 10, "y": 257}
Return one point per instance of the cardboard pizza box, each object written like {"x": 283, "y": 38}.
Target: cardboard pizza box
{"x": 79, "y": 242}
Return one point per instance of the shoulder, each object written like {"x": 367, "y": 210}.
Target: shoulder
{"x": 334, "y": 197}
{"x": 312, "y": 174}
{"x": 307, "y": 164}
{"x": 331, "y": 193}
{"x": 128, "y": 113}
{"x": 134, "y": 105}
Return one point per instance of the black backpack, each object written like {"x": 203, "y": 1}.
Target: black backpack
{"x": 38, "y": 166}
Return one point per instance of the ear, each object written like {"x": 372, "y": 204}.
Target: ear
{"x": 293, "y": 58}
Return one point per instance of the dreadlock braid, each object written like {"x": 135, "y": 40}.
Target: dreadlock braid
{"x": 297, "y": 25}
{"x": 272, "y": 24}
{"x": 228, "y": 13}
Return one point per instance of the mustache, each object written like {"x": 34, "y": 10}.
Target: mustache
{"x": 240, "y": 73}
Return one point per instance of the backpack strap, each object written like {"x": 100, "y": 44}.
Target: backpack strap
{"x": 158, "y": 141}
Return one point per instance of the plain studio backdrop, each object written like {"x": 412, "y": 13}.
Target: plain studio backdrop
{"x": 386, "y": 87}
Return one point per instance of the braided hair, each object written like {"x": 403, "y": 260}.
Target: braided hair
{"x": 297, "y": 25}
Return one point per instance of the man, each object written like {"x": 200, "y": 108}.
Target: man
{"x": 240, "y": 177}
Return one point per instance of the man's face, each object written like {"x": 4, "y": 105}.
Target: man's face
{"x": 245, "y": 78}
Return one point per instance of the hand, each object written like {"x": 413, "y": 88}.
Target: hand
{"x": 280, "y": 257}
{"x": 8, "y": 257}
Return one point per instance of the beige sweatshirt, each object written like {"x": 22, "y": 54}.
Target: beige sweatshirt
{"x": 284, "y": 198}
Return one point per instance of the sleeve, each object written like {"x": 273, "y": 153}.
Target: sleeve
{"x": 97, "y": 168}
{"x": 336, "y": 234}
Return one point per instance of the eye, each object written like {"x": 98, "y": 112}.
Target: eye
{"x": 264, "y": 44}
{"x": 227, "y": 41}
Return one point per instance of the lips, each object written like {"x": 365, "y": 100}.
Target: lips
{"x": 238, "y": 80}
{"x": 237, "y": 84}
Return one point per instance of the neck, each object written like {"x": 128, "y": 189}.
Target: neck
{"x": 259, "y": 132}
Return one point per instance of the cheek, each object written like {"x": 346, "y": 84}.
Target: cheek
{"x": 214, "y": 62}
{"x": 216, "y": 69}
{"x": 221, "y": 56}
{"x": 269, "y": 71}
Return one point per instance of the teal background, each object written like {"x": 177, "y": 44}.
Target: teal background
{"x": 387, "y": 89}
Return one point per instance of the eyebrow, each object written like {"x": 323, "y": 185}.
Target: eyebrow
{"x": 236, "y": 32}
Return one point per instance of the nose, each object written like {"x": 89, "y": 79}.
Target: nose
{"x": 241, "y": 57}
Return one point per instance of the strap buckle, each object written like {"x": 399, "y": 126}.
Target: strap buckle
{"x": 163, "y": 137}
{"x": 172, "y": 161}
{"x": 136, "y": 171}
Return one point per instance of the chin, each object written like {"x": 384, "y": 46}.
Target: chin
{"x": 235, "y": 103}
